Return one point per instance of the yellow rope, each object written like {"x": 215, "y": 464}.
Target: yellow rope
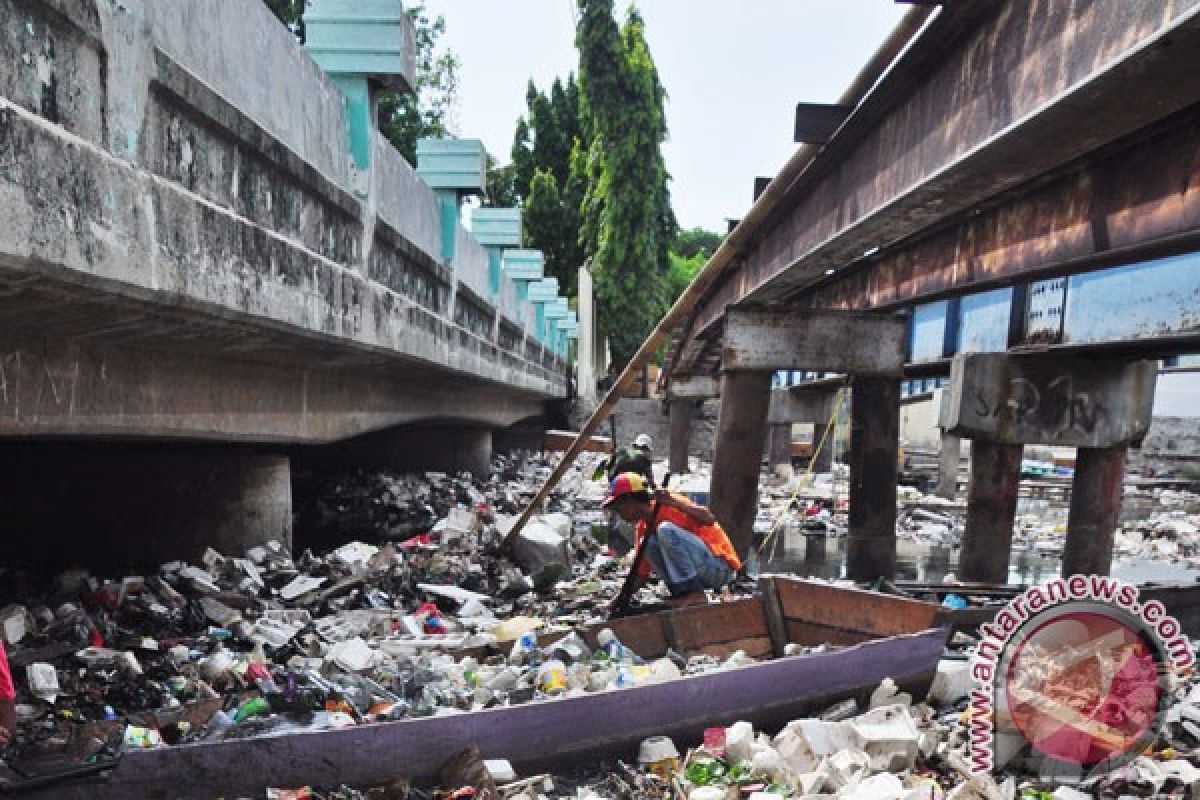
{"x": 771, "y": 534}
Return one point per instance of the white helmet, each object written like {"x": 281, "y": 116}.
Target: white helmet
{"x": 644, "y": 441}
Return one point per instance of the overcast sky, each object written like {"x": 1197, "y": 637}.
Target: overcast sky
{"x": 733, "y": 72}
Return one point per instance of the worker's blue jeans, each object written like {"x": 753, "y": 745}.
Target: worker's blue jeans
{"x": 683, "y": 560}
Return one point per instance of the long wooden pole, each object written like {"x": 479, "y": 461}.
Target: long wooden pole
{"x": 776, "y": 190}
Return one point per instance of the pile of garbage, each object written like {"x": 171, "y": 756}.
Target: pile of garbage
{"x": 894, "y": 749}
{"x": 264, "y": 642}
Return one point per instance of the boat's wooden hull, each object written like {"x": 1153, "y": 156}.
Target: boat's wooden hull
{"x": 882, "y": 637}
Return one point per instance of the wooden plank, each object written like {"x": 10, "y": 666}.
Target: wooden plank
{"x": 855, "y": 342}
{"x": 852, "y": 610}
{"x": 808, "y": 633}
{"x": 645, "y": 634}
{"x": 773, "y": 614}
{"x": 726, "y": 622}
{"x": 757, "y": 647}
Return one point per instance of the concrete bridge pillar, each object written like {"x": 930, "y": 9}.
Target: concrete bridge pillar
{"x": 823, "y": 460}
{"x": 870, "y": 347}
{"x": 741, "y": 434}
{"x": 680, "y": 435}
{"x": 991, "y": 509}
{"x": 874, "y": 449}
{"x": 1095, "y": 509}
{"x": 779, "y": 450}
{"x": 949, "y": 458}
{"x": 684, "y": 395}
{"x": 1001, "y": 402}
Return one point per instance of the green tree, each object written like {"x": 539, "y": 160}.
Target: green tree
{"x": 288, "y": 11}
{"x": 628, "y": 223}
{"x": 543, "y": 182}
{"x": 427, "y": 112}
{"x": 696, "y": 240}
{"x": 501, "y": 189}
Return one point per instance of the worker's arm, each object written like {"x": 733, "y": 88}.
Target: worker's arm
{"x": 696, "y": 512}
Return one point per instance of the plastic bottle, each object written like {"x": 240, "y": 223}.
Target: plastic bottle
{"x": 614, "y": 649}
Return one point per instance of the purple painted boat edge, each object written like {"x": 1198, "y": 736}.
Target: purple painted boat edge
{"x": 612, "y": 720}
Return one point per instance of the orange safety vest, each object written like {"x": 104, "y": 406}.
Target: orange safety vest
{"x": 713, "y": 535}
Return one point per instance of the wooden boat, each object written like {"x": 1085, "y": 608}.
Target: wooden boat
{"x": 1182, "y": 601}
{"x": 873, "y": 635}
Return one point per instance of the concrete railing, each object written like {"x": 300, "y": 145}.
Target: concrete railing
{"x": 193, "y": 155}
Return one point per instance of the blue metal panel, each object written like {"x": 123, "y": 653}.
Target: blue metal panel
{"x": 928, "y": 333}
{"x": 983, "y": 321}
{"x": 1135, "y": 301}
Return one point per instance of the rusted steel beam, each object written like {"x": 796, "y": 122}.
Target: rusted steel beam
{"x": 1059, "y": 87}
{"x": 1142, "y": 200}
{"x": 874, "y": 448}
{"x": 1095, "y": 509}
{"x": 737, "y": 459}
{"x": 991, "y": 509}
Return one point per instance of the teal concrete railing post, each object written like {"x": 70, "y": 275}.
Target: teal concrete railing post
{"x": 453, "y": 168}
{"x": 363, "y": 45}
{"x": 496, "y": 229}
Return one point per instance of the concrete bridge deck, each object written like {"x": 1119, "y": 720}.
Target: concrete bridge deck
{"x": 186, "y": 249}
{"x": 192, "y": 250}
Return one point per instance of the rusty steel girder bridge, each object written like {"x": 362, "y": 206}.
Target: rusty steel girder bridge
{"x": 1015, "y": 187}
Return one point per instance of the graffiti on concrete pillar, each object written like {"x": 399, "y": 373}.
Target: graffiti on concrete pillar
{"x": 1055, "y": 406}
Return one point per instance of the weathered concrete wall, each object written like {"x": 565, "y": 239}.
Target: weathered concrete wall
{"x": 124, "y": 507}
{"x": 174, "y": 178}
{"x": 919, "y": 422}
{"x": 636, "y": 415}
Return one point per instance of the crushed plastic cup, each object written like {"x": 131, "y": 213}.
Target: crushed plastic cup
{"x": 659, "y": 755}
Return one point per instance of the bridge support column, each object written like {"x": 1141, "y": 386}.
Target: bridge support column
{"x": 824, "y": 457}
{"x": 680, "y": 435}
{"x": 949, "y": 458}
{"x": 991, "y": 508}
{"x": 874, "y": 448}
{"x": 741, "y": 434}
{"x": 1004, "y": 401}
{"x": 1095, "y": 507}
{"x": 779, "y": 450}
